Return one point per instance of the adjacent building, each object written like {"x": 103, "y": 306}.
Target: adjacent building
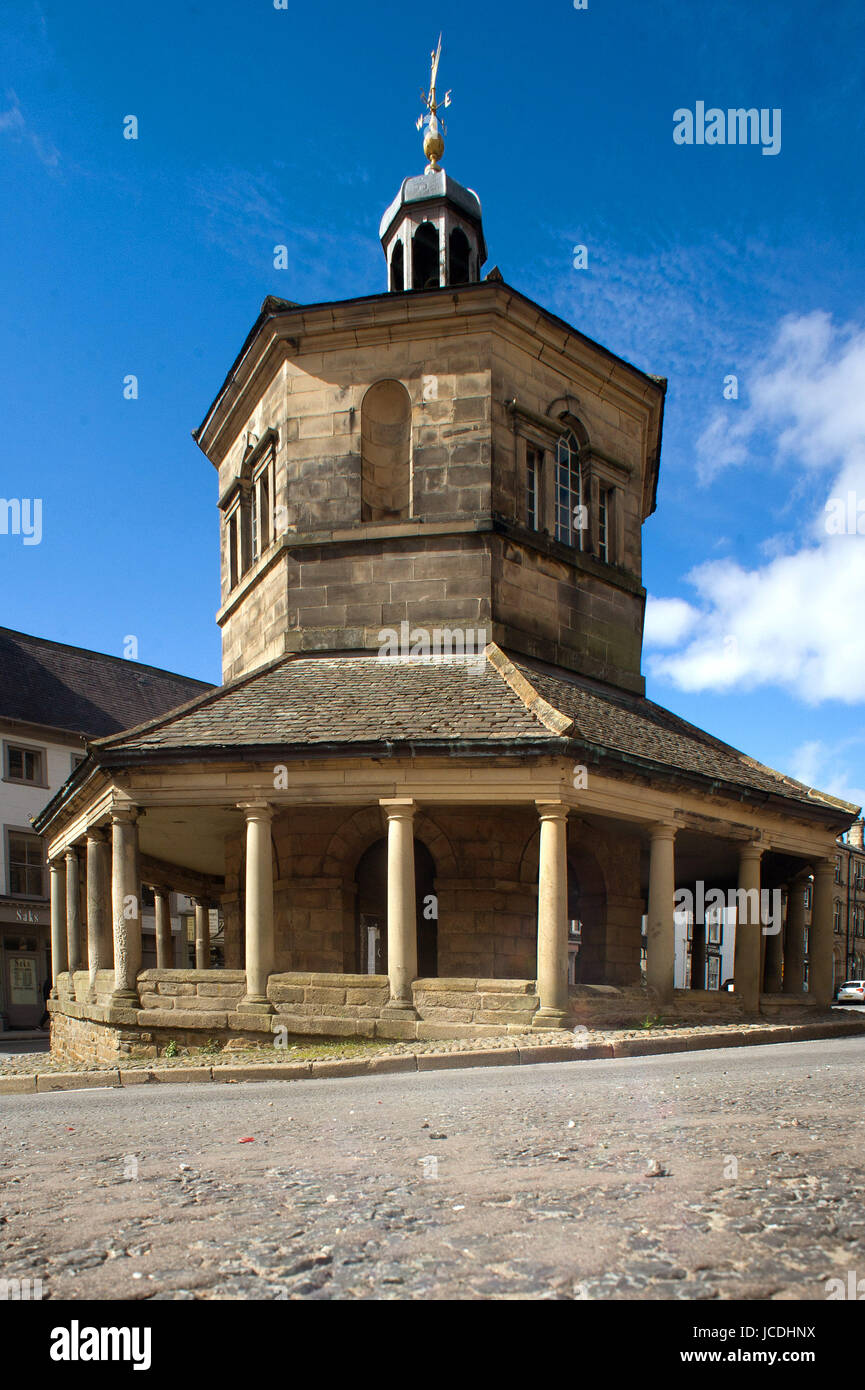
{"x": 848, "y": 907}
{"x": 52, "y": 698}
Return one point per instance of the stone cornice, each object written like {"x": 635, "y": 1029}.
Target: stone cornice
{"x": 485, "y": 307}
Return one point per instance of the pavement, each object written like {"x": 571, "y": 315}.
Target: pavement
{"x": 714, "y": 1175}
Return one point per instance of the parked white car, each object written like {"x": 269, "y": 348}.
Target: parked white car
{"x": 852, "y": 992}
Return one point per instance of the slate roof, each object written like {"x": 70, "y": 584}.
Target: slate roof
{"x": 314, "y": 702}
{"x": 309, "y": 701}
{"x": 638, "y": 728}
{"x": 85, "y": 692}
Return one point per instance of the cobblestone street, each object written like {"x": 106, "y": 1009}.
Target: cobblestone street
{"x": 693, "y": 1176}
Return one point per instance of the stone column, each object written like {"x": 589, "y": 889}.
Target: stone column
{"x": 660, "y": 925}
{"x": 401, "y": 904}
{"x": 202, "y": 935}
{"x": 259, "y": 907}
{"x": 552, "y": 916}
{"x": 749, "y": 930}
{"x": 59, "y": 946}
{"x": 125, "y": 905}
{"x": 820, "y": 937}
{"x": 98, "y": 918}
{"x": 794, "y": 937}
{"x": 73, "y": 911}
{"x": 164, "y": 944}
{"x": 773, "y": 969}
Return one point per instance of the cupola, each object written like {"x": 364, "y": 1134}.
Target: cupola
{"x": 432, "y": 233}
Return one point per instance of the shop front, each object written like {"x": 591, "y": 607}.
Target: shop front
{"x": 24, "y": 962}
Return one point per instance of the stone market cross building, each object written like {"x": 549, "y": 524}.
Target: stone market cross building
{"x": 431, "y": 796}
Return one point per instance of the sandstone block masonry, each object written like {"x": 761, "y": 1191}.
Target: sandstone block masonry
{"x": 483, "y": 378}
{"x": 195, "y": 1008}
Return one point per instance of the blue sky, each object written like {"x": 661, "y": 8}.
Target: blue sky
{"x": 260, "y": 126}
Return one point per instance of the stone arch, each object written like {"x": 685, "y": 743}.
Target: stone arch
{"x": 567, "y": 409}
{"x": 397, "y": 267}
{"x": 459, "y": 257}
{"x": 385, "y": 417}
{"x": 529, "y": 859}
{"x": 425, "y": 258}
{"x": 370, "y": 898}
{"x": 363, "y": 827}
{"x": 347, "y": 846}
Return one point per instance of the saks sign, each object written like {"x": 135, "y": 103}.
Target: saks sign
{"x": 28, "y": 916}
{"x": 24, "y": 913}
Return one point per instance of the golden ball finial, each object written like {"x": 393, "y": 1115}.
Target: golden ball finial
{"x": 433, "y": 145}
{"x": 433, "y": 142}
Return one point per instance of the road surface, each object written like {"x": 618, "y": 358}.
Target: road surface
{"x": 715, "y": 1175}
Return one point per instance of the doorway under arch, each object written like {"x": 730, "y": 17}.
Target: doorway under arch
{"x": 587, "y": 919}
{"x": 370, "y": 879}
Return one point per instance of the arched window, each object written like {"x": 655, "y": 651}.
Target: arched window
{"x": 425, "y": 258}
{"x": 397, "y": 268}
{"x": 249, "y": 512}
{"x": 458, "y": 258}
{"x": 385, "y": 420}
{"x": 571, "y": 512}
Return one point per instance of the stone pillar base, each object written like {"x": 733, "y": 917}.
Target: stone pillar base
{"x": 124, "y": 999}
{"x": 550, "y": 1018}
{"x": 255, "y": 1004}
{"x": 399, "y": 1008}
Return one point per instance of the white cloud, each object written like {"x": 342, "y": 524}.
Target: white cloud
{"x": 808, "y": 392}
{"x": 827, "y": 766}
{"x": 791, "y": 621}
{"x": 13, "y": 124}
{"x": 668, "y": 621}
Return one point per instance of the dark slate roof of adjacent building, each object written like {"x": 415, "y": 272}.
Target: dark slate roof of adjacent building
{"x": 343, "y": 702}
{"x": 84, "y": 692}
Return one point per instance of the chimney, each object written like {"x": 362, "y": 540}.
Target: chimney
{"x": 854, "y": 834}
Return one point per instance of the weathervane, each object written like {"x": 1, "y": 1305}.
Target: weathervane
{"x": 433, "y": 142}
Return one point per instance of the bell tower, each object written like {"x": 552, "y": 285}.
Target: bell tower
{"x": 444, "y": 456}
{"x": 432, "y": 234}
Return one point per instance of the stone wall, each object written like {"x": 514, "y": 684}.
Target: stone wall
{"x": 606, "y": 1006}
{"x": 461, "y": 1007}
{"x": 197, "y": 1007}
{"x": 194, "y": 1007}
{"x": 85, "y": 1040}
{"x": 305, "y": 595}
{"x": 355, "y": 1006}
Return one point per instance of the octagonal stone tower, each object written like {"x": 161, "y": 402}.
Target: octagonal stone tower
{"x": 446, "y": 457}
